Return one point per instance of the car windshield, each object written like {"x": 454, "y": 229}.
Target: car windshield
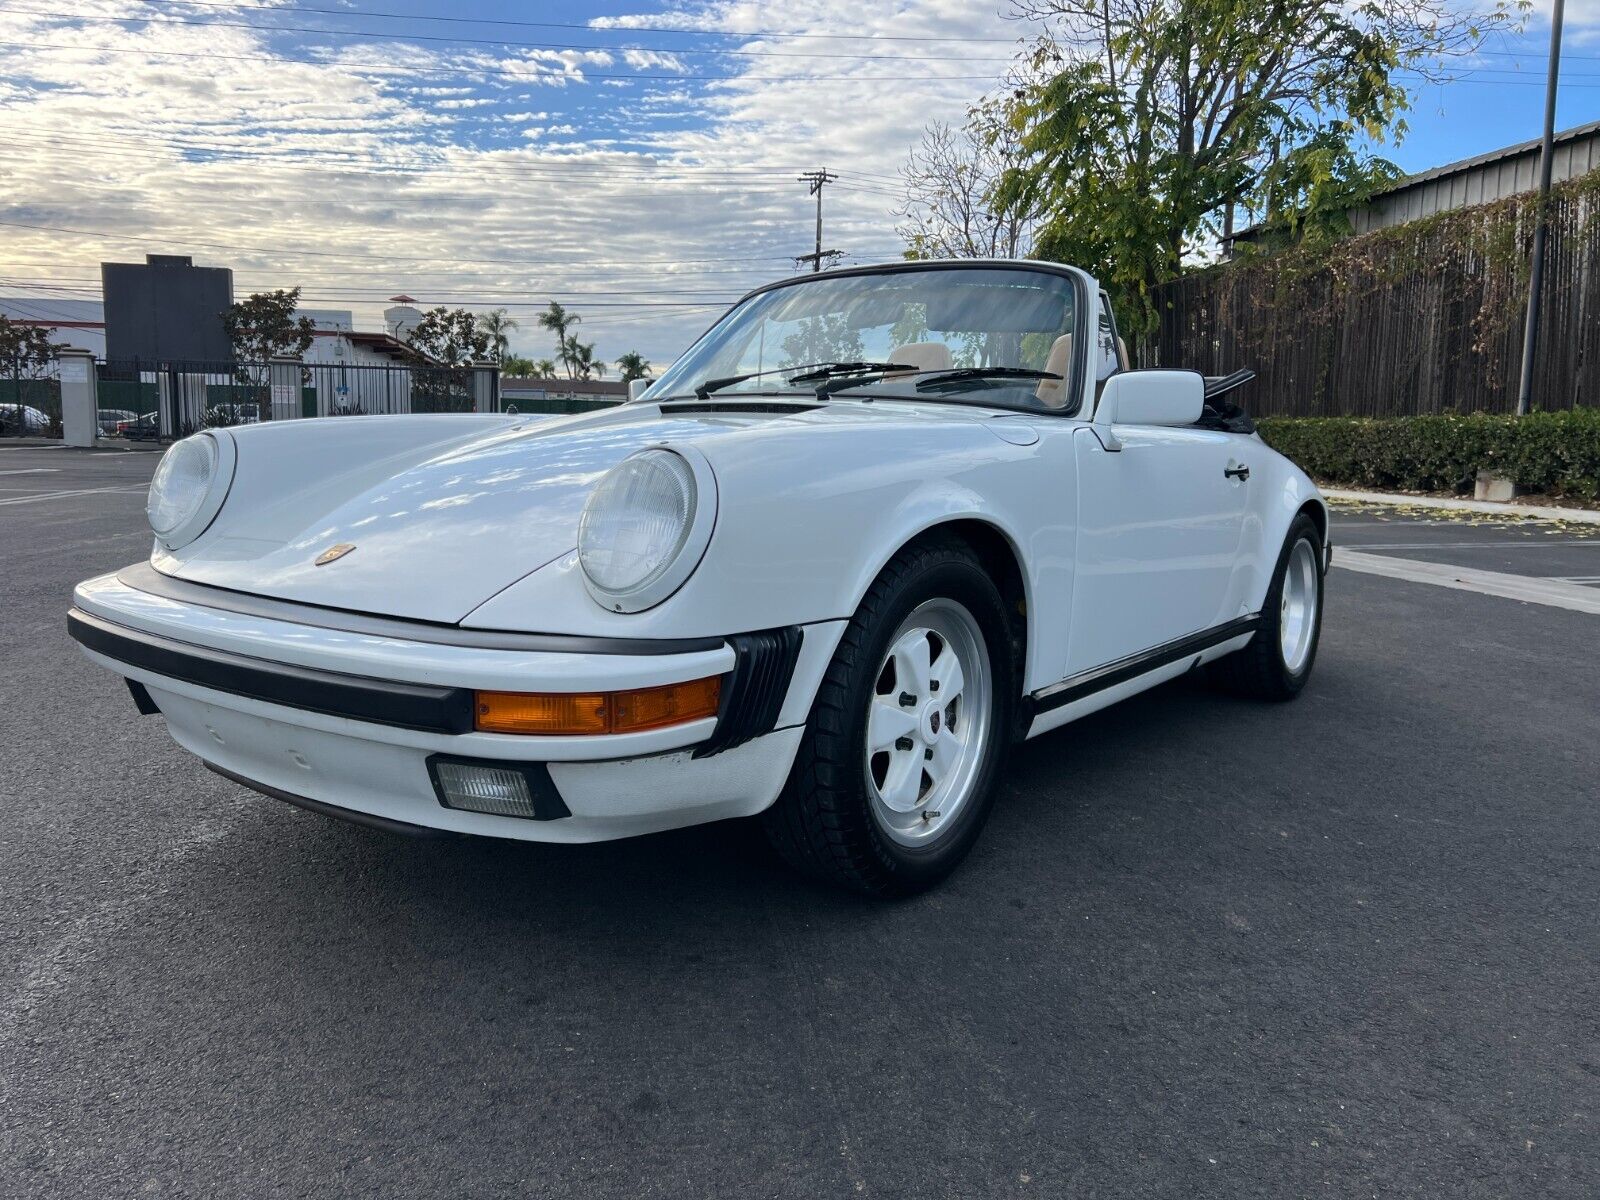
{"x": 1008, "y": 330}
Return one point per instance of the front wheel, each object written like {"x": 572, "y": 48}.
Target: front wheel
{"x": 1278, "y": 660}
{"x": 894, "y": 777}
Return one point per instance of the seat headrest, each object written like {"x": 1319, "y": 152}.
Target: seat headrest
{"x": 1052, "y": 393}
{"x": 922, "y": 356}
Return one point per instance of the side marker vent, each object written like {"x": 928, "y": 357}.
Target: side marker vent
{"x": 753, "y": 694}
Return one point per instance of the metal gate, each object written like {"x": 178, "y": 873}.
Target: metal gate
{"x": 168, "y": 400}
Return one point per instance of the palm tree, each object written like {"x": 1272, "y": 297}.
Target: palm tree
{"x": 633, "y": 366}
{"x": 558, "y": 321}
{"x": 497, "y": 326}
{"x": 580, "y": 359}
{"x": 543, "y": 368}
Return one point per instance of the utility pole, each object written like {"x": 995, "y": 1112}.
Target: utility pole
{"x": 1530, "y": 331}
{"x": 817, "y": 179}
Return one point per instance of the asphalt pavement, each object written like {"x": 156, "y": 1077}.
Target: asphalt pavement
{"x": 1343, "y": 947}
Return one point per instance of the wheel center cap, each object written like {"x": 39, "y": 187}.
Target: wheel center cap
{"x": 932, "y": 719}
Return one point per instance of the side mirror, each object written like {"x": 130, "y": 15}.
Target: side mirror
{"x": 1149, "y": 397}
{"x": 638, "y": 387}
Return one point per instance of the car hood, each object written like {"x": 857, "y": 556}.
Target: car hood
{"x": 442, "y": 513}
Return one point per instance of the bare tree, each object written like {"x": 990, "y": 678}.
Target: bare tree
{"x": 950, "y": 209}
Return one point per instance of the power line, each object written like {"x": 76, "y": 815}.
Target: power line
{"x": 572, "y": 75}
{"x": 358, "y": 35}
{"x": 729, "y": 33}
{"x": 583, "y": 170}
{"x": 432, "y": 174}
{"x": 284, "y": 251}
{"x": 308, "y": 157}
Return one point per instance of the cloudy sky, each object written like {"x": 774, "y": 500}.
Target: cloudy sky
{"x": 637, "y": 161}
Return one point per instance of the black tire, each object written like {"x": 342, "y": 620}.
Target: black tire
{"x": 823, "y": 824}
{"x": 1258, "y": 670}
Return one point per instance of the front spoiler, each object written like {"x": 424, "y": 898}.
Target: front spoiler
{"x": 370, "y": 820}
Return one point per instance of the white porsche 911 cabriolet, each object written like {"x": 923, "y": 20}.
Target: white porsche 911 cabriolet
{"x": 873, "y": 527}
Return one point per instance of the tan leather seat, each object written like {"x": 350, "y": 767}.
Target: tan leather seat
{"x": 1052, "y": 393}
{"x": 922, "y": 356}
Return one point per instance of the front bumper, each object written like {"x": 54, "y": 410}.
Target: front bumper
{"x": 346, "y": 714}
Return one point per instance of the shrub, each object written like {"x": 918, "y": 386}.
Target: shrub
{"x": 1555, "y": 453}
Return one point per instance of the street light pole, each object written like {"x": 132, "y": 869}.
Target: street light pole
{"x": 1530, "y": 331}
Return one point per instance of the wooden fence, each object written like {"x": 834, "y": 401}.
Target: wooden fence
{"x": 1419, "y": 318}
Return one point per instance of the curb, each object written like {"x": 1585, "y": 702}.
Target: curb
{"x": 1582, "y": 516}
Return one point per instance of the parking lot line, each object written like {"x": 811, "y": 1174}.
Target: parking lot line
{"x": 1558, "y": 593}
{"x": 66, "y": 495}
{"x": 1539, "y": 544}
{"x": 32, "y": 471}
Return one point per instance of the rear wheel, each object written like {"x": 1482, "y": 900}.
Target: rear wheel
{"x": 1278, "y": 660}
{"x": 894, "y": 776}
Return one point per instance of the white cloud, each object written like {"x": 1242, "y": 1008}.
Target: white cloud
{"x": 343, "y": 172}
{"x": 641, "y": 60}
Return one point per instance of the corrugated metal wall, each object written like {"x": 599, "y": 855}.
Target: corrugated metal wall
{"x": 1481, "y": 184}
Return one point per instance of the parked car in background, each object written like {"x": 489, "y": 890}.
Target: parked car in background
{"x": 23, "y": 420}
{"x": 108, "y": 420}
{"x": 144, "y": 428}
{"x": 874, "y": 527}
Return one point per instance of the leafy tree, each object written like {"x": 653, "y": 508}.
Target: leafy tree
{"x": 543, "y": 368}
{"x": 451, "y": 336}
{"x": 25, "y": 353}
{"x": 25, "y": 350}
{"x": 560, "y": 322}
{"x": 498, "y": 326}
{"x": 823, "y": 339}
{"x": 1147, "y": 122}
{"x": 950, "y": 208}
{"x": 633, "y": 366}
{"x": 447, "y": 341}
{"x": 263, "y": 326}
{"x": 515, "y": 364}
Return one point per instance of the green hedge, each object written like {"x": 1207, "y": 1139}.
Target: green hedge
{"x": 1554, "y": 453}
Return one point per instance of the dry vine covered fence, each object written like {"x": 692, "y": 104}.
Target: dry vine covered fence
{"x": 1418, "y": 318}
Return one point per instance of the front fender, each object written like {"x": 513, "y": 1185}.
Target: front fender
{"x": 1284, "y": 489}
{"x": 808, "y": 517}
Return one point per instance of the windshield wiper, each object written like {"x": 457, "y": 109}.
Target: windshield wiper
{"x": 946, "y": 381}
{"x": 808, "y": 373}
{"x": 829, "y": 370}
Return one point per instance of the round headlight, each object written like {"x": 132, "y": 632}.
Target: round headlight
{"x": 644, "y": 529}
{"x": 188, "y": 485}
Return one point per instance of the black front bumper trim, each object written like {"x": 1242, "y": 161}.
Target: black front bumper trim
{"x": 383, "y": 702}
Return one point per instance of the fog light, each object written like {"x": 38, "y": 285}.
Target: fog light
{"x": 500, "y": 789}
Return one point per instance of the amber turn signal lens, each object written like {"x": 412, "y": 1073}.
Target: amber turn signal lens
{"x": 539, "y": 712}
{"x": 598, "y": 712}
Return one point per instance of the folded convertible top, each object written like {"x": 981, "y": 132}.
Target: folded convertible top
{"x": 1220, "y": 411}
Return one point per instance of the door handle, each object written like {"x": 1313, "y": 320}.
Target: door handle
{"x": 1240, "y": 472}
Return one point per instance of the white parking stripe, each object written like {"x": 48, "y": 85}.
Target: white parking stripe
{"x": 1539, "y": 543}
{"x": 32, "y": 471}
{"x": 65, "y": 495}
{"x": 1558, "y": 593}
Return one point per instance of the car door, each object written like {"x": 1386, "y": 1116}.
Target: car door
{"x": 1159, "y": 531}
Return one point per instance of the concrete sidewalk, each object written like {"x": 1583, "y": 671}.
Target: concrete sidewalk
{"x": 1543, "y": 512}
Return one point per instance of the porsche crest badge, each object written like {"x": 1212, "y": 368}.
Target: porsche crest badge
{"x": 334, "y": 553}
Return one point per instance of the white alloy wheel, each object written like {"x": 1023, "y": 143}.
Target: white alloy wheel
{"x": 928, "y": 722}
{"x": 1297, "y": 615}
